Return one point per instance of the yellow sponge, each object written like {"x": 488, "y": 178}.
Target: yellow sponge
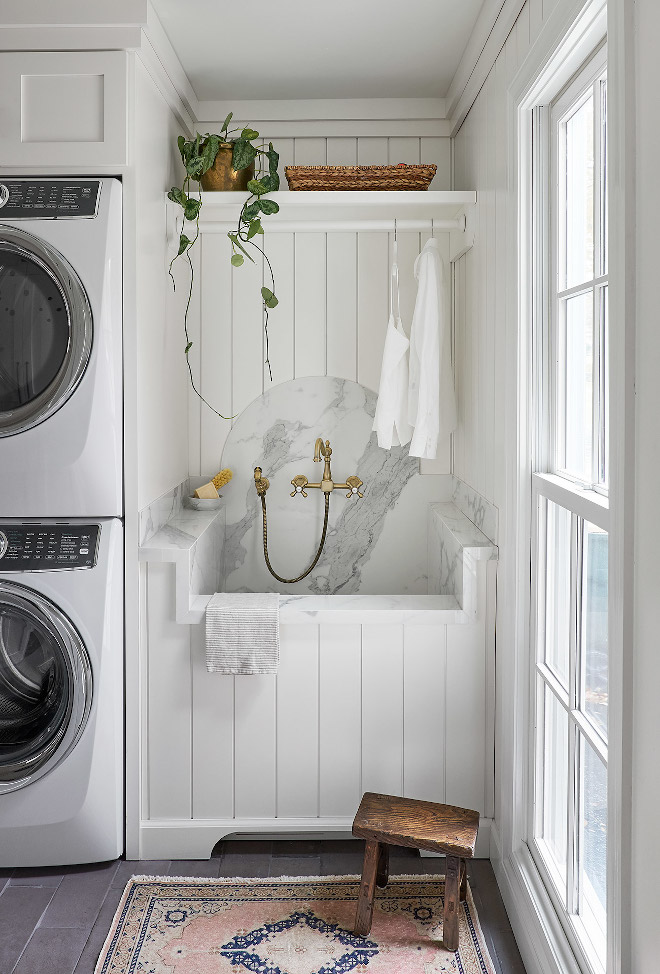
{"x": 222, "y": 478}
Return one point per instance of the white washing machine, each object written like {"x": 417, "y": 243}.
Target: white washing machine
{"x": 61, "y": 691}
{"x": 60, "y": 348}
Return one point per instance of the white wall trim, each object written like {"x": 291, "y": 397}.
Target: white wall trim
{"x": 69, "y": 37}
{"x": 325, "y": 109}
{"x": 170, "y": 64}
{"x": 540, "y": 938}
{"x": 494, "y": 23}
{"x": 195, "y": 838}
{"x": 545, "y": 945}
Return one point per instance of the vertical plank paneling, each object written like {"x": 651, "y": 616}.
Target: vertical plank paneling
{"x": 215, "y": 347}
{"x": 212, "y": 736}
{"x": 372, "y": 151}
{"x": 298, "y": 722}
{"x": 310, "y": 152}
{"x": 442, "y": 462}
{"x": 408, "y": 246}
{"x": 437, "y": 150}
{"x": 310, "y": 340}
{"x": 169, "y": 701}
{"x": 342, "y": 305}
{"x": 466, "y": 708}
{"x": 459, "y": 367}
{"x": 340, "y": 719}
{"x": 247, "y": 335}
{"x": 402, "y": 150}
{"x": 281, "y": 322}
{"x": 424, "y": 662}
{"x": 254, "y": 747}
{"x": 341, "y": 151}
{"x": 285, "y": 147}
{"x": 548, "y": 7}
{"x": 487, "y": 383}
{"x": 176, "y": 321}
{"x": 382, "y": 708}
{"x": 373, "y": 305}
{"x": 535, "y": 19}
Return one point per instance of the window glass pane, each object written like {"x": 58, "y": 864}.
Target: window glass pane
{"x": 593, "y": 835}
{"x": 604, "y": 421}
{"x": 555, "y": 785}
{"x": 578, "y": 400}
{"x": 579, "y": 175}
{"x": 558, "y": 590}
{"x": 603, "y": 177}
{"x": 594, "y": 625}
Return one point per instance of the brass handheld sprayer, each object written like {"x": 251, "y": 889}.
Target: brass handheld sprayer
{"x": 301, "y": 485}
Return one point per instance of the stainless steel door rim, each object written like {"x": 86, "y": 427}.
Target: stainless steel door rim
{"x": 59, "y": 275}
{"x": 45, "y": 686}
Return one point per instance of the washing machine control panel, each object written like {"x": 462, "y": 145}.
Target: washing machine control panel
{"x": 38, "y": 199}
{"x": 48, "y": 547}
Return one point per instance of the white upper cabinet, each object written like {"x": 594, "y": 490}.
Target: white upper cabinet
{"x": 64, "y": 108}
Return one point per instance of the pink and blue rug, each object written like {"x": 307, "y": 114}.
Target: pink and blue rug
{"x": 287, "y": 926}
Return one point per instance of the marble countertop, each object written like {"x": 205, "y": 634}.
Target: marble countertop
{"x": 193, "y": 541}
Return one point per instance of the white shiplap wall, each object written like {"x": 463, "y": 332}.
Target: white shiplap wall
{"x": 334, "y": 297}
{"x": 401, "y": 709}
{"x": 485, "y": 443}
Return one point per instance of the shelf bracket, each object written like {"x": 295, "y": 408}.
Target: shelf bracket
{"x": 460, "y": 241}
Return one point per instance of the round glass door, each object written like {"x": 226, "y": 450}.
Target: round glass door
{"x": 45, "y": 686}
{"x": 45, "y": 330}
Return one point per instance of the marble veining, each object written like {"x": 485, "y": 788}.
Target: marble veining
{"x": 156, "y": 515}
{"x": 455, "y": 547}
{"x": 477, "y": 508}
{"x": 376, "y": 545}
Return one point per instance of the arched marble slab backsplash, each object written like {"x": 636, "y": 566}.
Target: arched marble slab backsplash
{"x": 376, "y": 545}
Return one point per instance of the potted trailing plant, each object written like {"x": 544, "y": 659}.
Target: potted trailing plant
{"x": 228, "y": 158}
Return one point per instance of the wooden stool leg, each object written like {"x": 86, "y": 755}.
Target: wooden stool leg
{"x": 463, "y": 879}
{"x": 383, "y": 871}
{"x": 365, "y": 903}
{"x": 450, "y": 916}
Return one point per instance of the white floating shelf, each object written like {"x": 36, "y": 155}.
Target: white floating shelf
{"x": 361, "y": 212}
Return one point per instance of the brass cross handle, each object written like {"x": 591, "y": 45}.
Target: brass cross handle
{"x": 353, "y": 483}
{"x": 299, "y": 483}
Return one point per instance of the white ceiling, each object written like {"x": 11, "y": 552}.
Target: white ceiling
{"x": 290, "y": 49}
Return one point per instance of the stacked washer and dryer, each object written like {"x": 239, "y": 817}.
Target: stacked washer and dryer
{"x": 61, "y": 533}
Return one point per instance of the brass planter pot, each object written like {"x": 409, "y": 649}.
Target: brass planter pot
{"x": 222, "y": 176}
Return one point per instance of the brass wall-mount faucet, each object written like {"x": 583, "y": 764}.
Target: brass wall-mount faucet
{"x": 300, "y": 482}
{"x": 324, "y": 452}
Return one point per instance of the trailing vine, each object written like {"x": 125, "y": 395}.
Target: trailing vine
{"x": 198, "y": 156}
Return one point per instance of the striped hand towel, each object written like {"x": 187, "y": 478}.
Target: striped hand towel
{"x": 243, "y": 632}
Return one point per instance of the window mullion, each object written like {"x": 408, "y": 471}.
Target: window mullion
{"x": 573, "y": 742}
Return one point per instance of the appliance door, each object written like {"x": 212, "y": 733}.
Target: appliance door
{"x": 45, "y": 686}
{"x": 45, "y": 330}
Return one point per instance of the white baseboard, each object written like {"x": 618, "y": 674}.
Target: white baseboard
{"x": 194, "y": 839}
{"x": 541, "y": 940}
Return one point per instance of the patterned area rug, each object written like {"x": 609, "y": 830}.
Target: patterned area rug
{"x": 286, "y": 926}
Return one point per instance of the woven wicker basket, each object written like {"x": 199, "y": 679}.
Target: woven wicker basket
{"x": 356, "y": 178}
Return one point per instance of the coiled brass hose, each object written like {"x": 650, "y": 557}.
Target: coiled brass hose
{"x": 290, "y": 581}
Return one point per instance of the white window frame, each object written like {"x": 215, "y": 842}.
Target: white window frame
{"x": 583, "y": 501}
{"x": 570, "y": 34}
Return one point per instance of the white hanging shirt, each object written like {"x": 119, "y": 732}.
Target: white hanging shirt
{"x": 431, "y": 398}
{"x": 391, "y": 418}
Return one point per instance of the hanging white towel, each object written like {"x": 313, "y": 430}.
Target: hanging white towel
{"x": 243, "y": 632}
{"x": 391, "y": 417}
{"x": 431, "y": 397}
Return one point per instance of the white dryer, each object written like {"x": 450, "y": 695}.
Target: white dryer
{"x": 61, "y": 691}
{"x": 60, "y": 347}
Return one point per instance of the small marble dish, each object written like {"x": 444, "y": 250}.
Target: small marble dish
{"x": 202, "y": 503}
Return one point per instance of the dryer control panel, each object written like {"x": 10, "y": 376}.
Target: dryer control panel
{"x": 48, "y": 547}
{"x": 51, "y": 199}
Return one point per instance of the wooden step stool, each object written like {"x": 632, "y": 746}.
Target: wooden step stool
{"x": 384, "y": 820}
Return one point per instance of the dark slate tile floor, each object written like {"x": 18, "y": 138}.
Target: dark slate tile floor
{"x": 54, "y": 921}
